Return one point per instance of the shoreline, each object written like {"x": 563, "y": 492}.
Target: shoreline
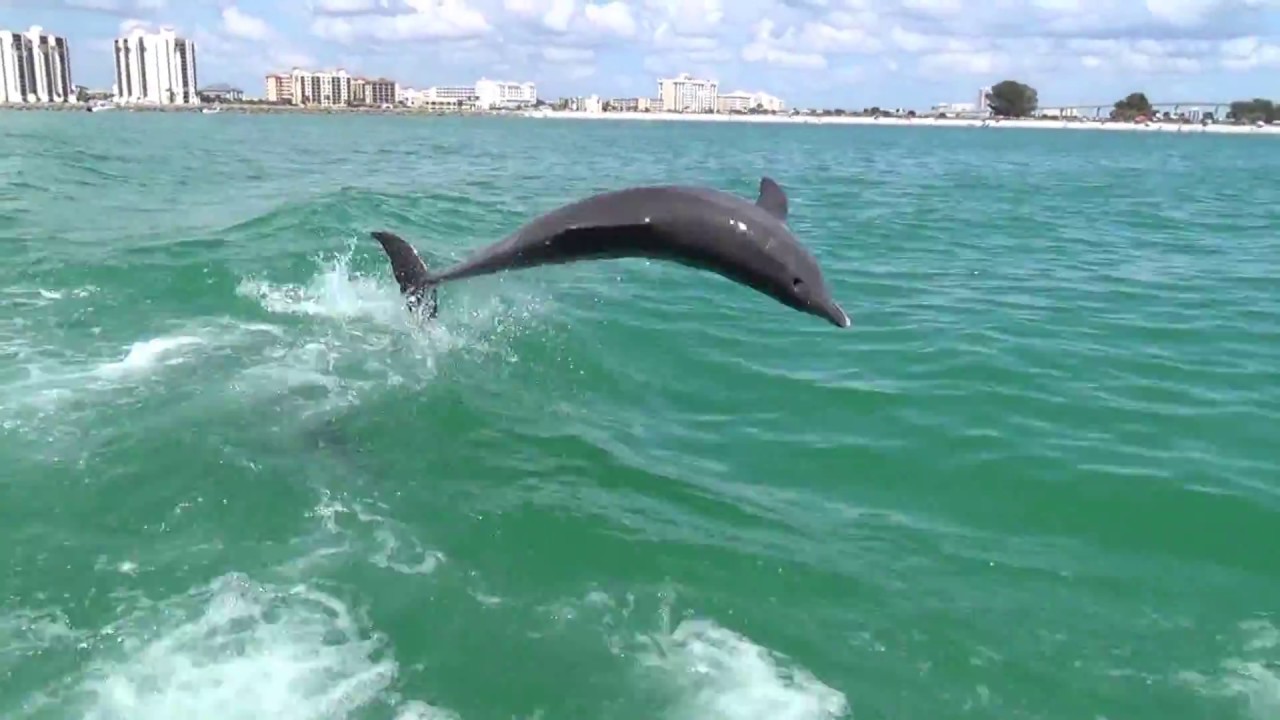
{"x": 932, "y": 122}
{"x": 246, "y": 109}
{"x": 882, "y": 121}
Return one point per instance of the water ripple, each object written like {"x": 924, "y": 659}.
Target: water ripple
{"x": 1036, "y": 478}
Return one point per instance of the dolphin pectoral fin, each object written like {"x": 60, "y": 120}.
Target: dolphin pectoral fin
{"x": 772, "y": 198}
{"x": 410, "y": 272}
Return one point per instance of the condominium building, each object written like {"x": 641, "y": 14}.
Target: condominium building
{"x": 984, "y": 105}
{"x": 155, "y": 68}
{"x": 35, "y": 67}
{"x": 450, "y": 92}
{"x": 424, "y": 101}
{"x": 280, "y": 88}
{"x": 742, "y": 101}
{"x": 374, "y": 92}
{"x": 631, "y": 104}
{"x": 587, "y": 104}
{"x": 493, "y": 94}
{"x": 326, "y": 88}
{"x": 442, "y": 98}
{"x": 684, "y": 93}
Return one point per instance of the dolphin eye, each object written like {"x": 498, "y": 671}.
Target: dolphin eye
{"x": 797, "y": 284}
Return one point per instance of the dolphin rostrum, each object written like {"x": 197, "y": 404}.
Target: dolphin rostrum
{"x": 708, "y": 229}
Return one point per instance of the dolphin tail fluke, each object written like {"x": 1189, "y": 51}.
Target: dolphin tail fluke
{"x": 410, "y": 272}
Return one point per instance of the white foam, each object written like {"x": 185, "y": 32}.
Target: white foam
{"x": 243, "y": 651}
{"x": 1252, "y": 676}
{"x": 337, "y": 293}
{"x": 334, "y": 293}
{"x": 721, "y": 674}
{"x": 148, "y": 354}
{"x": 358, "y": 338}
{"x": 408, "y": 558}
{"x": 37, "y": 296}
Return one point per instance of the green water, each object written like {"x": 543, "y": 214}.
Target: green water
{"x": 1038, "y": 478}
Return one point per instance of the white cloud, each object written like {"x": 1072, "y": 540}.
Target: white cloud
{"x": 237, "y": 23}
{"x": 614, "y": 17}
{"x": 554, "y": 15}
{"x": 931, "y": 46}
{"x": 128, "y": 25}
{"x": 771, "y": 49}
{"x": 112, "y": 6}
{"x": 568, "y": 56}
{"x": 1247, "y": 53}
{"x": 419, "y": 20}
{"x": 949, "y": 38}
{"x": 348, "y": 7}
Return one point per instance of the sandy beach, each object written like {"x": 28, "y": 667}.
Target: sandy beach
{"x": 1036, "y": 124}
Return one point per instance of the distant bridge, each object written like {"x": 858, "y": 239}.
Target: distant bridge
{"x": 1217, "y": 107}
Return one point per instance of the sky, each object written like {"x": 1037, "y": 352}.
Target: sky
{"x": 811, "y": 53}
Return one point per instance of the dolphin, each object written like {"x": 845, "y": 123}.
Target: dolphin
{"x": 748, "y": 243}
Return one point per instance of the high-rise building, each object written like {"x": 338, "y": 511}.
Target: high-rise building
{"x": 984, "y": 105}
{"x": 327, "y": 88}
{"x": 684, "y": 93}
{"x": 280, "y": 88}
{"x": 156, "y": 67}
{"x": 35, "y": 67}
{"x": 379, "y": 91}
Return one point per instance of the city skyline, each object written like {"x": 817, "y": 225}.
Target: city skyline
{"x": 937, "y": 52}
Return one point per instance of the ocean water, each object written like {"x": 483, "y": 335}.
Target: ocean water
{"x": 1038, "y": 478}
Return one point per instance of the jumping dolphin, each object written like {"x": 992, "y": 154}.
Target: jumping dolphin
{"x": 411, "y": 273}
{"x": 698, "y": 227}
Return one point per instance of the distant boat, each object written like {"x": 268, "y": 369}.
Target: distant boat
{"x": 210, "y": 111}
{"x": 99, "y": 106}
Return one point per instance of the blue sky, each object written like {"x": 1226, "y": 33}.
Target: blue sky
{"x": 827, "y": 53}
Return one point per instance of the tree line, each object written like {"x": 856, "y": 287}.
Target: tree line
{"x": 1013, "y": 99}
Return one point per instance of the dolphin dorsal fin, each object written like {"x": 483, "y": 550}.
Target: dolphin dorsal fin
{"x": 772, "y": 198}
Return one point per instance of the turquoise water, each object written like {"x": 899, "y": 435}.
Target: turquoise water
{"x": 1037, "y": 478}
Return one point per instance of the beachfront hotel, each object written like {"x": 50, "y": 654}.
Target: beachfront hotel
{"x": 330, "y": 88}
{"x": 499, "y": 94}
{"x": 280, "y": 88}
{"x": 440, "y": 98}
{"x": 634, "y": 104}
{"x": 378, "y": 92}
{"x": 155, "y": 68}
{"x": 740, "y": 101}
{"x": 485, "y": 94}
{"x": 35, "y": 67}
{"x": 326, "y": 88}
{"x": 684, "y": 93}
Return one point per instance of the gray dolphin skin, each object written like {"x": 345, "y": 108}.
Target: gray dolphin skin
{"x": 411, "y": 273}
{"x": 748, "y": 243}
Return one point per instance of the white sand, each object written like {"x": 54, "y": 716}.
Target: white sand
{"x": 915, "y": 122}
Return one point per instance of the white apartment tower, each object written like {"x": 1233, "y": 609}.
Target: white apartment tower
{"x": 155, "y": 68}
{"x": 688, "y": 94}
{"x": 326, "y": 88}
{"x": 35, "y": 67}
